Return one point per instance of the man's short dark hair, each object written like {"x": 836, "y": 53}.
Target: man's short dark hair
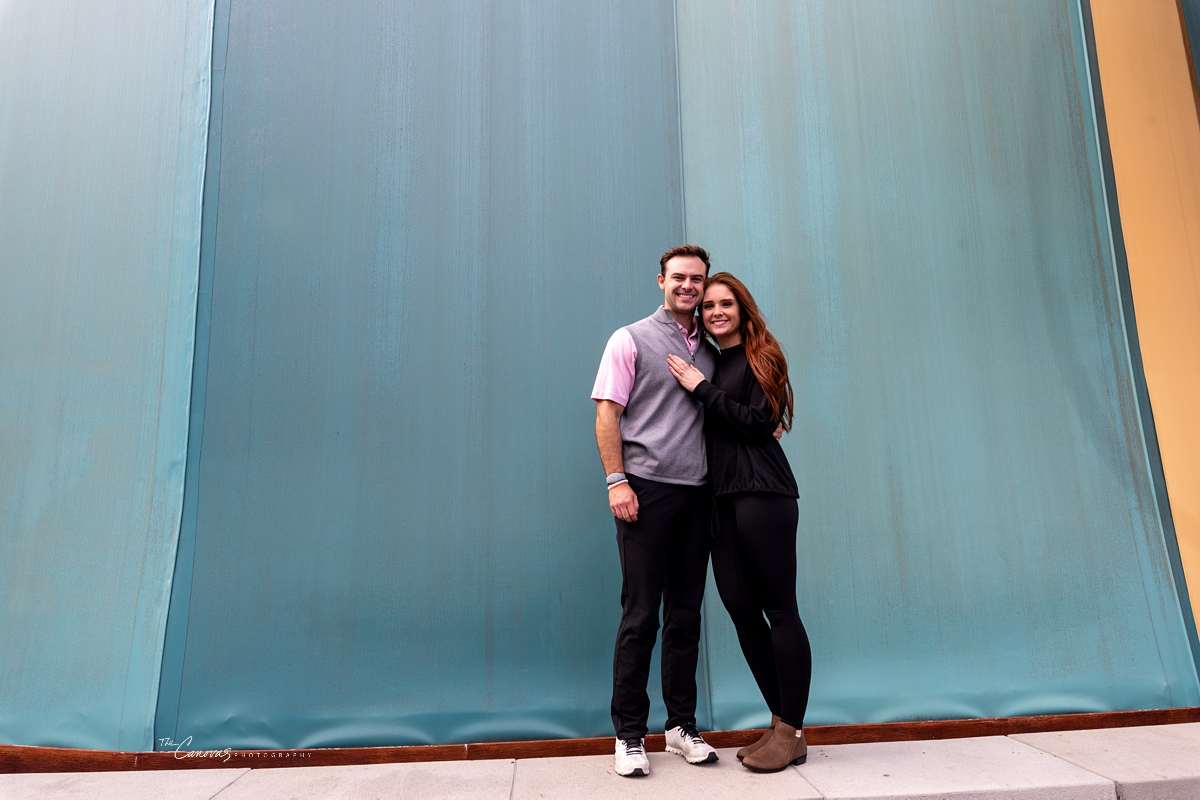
{"x": 683, "y": 250}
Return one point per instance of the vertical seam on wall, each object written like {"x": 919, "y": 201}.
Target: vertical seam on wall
{"x": 189, "y": 158}
{"x": 704, "y": 640}
{"x": 679, "y": 123}
{"x": 1129, "y": 325}
{"x": 179, "y": 608}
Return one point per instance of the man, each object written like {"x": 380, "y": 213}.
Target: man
{"x": 650, "y": 432}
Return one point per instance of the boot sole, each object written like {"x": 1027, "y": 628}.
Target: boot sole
{"x": 795, "y": 762}
{"x": 708, "y": 759}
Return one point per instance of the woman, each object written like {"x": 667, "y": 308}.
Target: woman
{"x": 754, "y": 552}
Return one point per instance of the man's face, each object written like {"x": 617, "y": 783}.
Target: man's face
{"x": 683, "y": 284}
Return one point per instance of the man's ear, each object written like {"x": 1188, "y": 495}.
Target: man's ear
{"x": 662, "y": 282}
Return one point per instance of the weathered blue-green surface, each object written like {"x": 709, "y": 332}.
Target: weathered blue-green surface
{"x": 912, "y": 190}
{"x": 1191, "y": 23}
{"x": 430, "y": 218}
{"x": 103, "y": 110}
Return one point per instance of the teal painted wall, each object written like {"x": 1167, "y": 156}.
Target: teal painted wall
{"x": 103, "y": 109}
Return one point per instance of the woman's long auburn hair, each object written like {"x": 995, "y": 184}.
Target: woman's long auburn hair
{"x": 762, "y": 349}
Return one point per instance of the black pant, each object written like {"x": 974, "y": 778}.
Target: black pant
{"x": 664, "y": 560}
{"x": 754, "y": 563}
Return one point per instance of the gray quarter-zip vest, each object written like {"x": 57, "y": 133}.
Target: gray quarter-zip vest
{"x": 663, "y": 425}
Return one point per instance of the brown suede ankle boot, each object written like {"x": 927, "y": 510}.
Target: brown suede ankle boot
{"x": 785, "y": 747}
{"x": 766, "y": 737}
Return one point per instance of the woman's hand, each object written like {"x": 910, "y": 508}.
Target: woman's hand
{"x": 688, "y": 376}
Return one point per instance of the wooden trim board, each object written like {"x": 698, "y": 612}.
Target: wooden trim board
{"x": 18, "y": 758}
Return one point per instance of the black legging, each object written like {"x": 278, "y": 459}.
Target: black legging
{"x": 754, "y": 562}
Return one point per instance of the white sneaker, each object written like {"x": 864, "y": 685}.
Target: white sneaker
{"x": 685, "y": 740}
{"x": 631, "y": 758}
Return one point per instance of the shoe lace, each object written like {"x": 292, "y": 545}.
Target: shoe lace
{"x": 692, "y": 733}
{"x": 634, "y": 747}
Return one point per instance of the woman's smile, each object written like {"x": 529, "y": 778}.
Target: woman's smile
{"x": 721, "y": 315}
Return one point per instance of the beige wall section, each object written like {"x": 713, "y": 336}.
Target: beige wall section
{"x": 1155, "y": 138}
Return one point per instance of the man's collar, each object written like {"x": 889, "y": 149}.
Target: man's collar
{"x": 666, "y": 316}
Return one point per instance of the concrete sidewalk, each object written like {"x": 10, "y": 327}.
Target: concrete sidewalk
{"x": 1160, "y": 761}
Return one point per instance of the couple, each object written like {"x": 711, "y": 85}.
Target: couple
{"x": 679, "y": 422}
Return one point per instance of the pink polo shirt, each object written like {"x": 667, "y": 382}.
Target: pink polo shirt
{"x": 614, "y": 380}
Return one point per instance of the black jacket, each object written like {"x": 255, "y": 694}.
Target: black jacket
{"x": 743, "y": 455}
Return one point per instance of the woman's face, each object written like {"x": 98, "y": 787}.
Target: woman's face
{"x": 719, "y": 311}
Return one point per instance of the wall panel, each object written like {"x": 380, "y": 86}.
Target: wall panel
{"x": 103, "y": 109}
{"x": 913, "y": 191}
{"x": 430, "y": 218}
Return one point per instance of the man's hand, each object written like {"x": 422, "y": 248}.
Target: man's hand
{"x": 623, "y": 502}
